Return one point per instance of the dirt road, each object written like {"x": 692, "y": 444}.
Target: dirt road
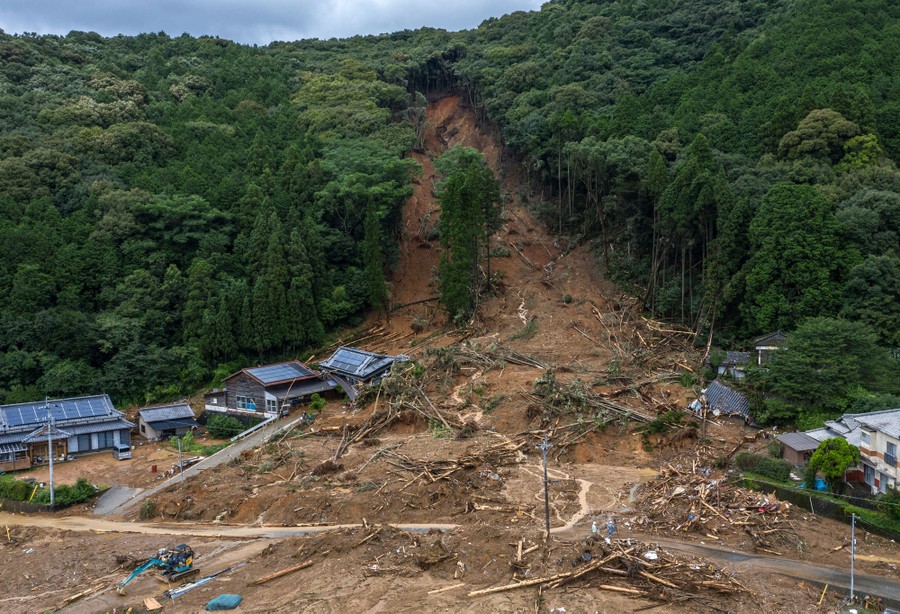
{"x": 743, "y": 563}
{"x": 100, "y": 525}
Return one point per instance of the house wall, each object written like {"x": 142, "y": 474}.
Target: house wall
{"x": 121, "y": 436}
{"x": 874, "y": 454}
{"x": 795, "y": 457}
{"x": 152, "y": 434}
{"x": 15, "y": 464}
{"x": 242, "y": 384}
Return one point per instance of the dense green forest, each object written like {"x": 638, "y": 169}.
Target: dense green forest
{"x": 168, "y": 205}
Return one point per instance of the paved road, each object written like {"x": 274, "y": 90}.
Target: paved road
{"x": 866, "y": 584}
{"x": 117, "y": 501}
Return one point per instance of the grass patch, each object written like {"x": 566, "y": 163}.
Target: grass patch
{"x": 190, "y": 447}
{"x": 527, "y": 332}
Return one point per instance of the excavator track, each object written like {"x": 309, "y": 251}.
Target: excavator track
{"x": 177, "y": 577}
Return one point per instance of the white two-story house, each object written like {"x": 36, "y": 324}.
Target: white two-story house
{"x": 877, "y": 434}
{"x": 879, "y": 438}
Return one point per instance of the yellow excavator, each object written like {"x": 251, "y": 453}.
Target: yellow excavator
{"x": 174, "y": 564}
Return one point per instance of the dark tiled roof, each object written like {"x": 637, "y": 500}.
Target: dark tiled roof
{"x": 770, "y": 340}
{"x": 886, "y": 421}
{"x": 722, "y": 399}
{"x": 166, "y": 412}
{"x": 114, "y": 425}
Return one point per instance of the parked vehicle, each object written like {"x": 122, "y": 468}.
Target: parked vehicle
{"x": 122, "y": 452}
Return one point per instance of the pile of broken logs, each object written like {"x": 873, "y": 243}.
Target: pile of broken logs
{"x": 687, "y": 499}
{"x": 497, "y": 454}
{"x": 635, "y": 568}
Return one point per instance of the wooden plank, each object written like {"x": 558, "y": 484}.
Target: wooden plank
{"x": 283, "y": 572}
{"x": 83, "y": 594}
{"x": 446, "y": 588}
{"x": 152, "y": 604}
{"x": 509, "y": 587}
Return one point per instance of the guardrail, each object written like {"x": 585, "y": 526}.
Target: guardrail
{"x": 253, "y": 429}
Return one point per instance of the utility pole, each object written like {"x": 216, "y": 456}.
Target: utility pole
{"x": 180, "y": 462}
{"x": 852, "y": 551}
{"x": 543, "y": 448}
{"x": 50, "y": 447}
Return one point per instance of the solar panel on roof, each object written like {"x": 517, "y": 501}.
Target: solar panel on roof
{"x": 278, "y": 373}
{"x": 23, "y": 414}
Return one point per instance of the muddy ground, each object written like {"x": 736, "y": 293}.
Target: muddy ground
{"x": 552, "y": 305}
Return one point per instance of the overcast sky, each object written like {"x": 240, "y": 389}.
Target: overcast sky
{"x": 250, "y": 21}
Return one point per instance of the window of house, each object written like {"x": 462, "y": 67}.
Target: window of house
{"x": 864, "y": 437}
{"x": 869, "y": 474}
{"x": 883, "y": 481}
{"x": 271, "y": 406}
{"x": 106, "y": 439}
{"x": 143, "y": 429}
{"x": 890, "y": 454}
{"x": 245, "y": 403}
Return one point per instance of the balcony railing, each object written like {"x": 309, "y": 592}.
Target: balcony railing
{"x": 890, "y": 459}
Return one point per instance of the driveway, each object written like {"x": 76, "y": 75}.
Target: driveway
{"x": 119, "y": 500}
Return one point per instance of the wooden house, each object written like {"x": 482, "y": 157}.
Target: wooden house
{"x": 268, "y": 390}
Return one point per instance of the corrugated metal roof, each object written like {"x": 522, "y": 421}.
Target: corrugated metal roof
{"x": 166, "y": 412}
{"x": 300, "y": 389}
{"x": 7, "y": 448}
{"x": 798, "y": 441}
{"x": 175, "y": 423}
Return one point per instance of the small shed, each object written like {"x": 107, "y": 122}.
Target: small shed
{"x": 164, "y": 421}
{"x": 797, "y": 447}
{"x": 766, "y": 344}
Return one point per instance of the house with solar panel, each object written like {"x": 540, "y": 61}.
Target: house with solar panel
{"x": 164, "y": 421}
{"x": 268, "y": 390}
{"x": 352, "y": 368}
{"x": 74, "y": 426}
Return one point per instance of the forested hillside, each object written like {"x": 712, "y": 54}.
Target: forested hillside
{"x": 172, "y": 204}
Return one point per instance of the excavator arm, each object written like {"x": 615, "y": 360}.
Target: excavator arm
{"x": 149, "y": 564}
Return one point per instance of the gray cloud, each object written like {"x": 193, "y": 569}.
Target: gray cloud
{"x": 250, "y": 21}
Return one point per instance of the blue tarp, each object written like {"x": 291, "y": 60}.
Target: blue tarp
{"x": 224, "y": 602}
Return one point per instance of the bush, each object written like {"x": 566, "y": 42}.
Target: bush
{"x": 17, "y": 490}
{"x": 148, "y": 509}
{"x": 317, "y": 403}
{"x": 773, "y": 468}
{"x": 889, "y": 503}
{"x": 223, "y": 427}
